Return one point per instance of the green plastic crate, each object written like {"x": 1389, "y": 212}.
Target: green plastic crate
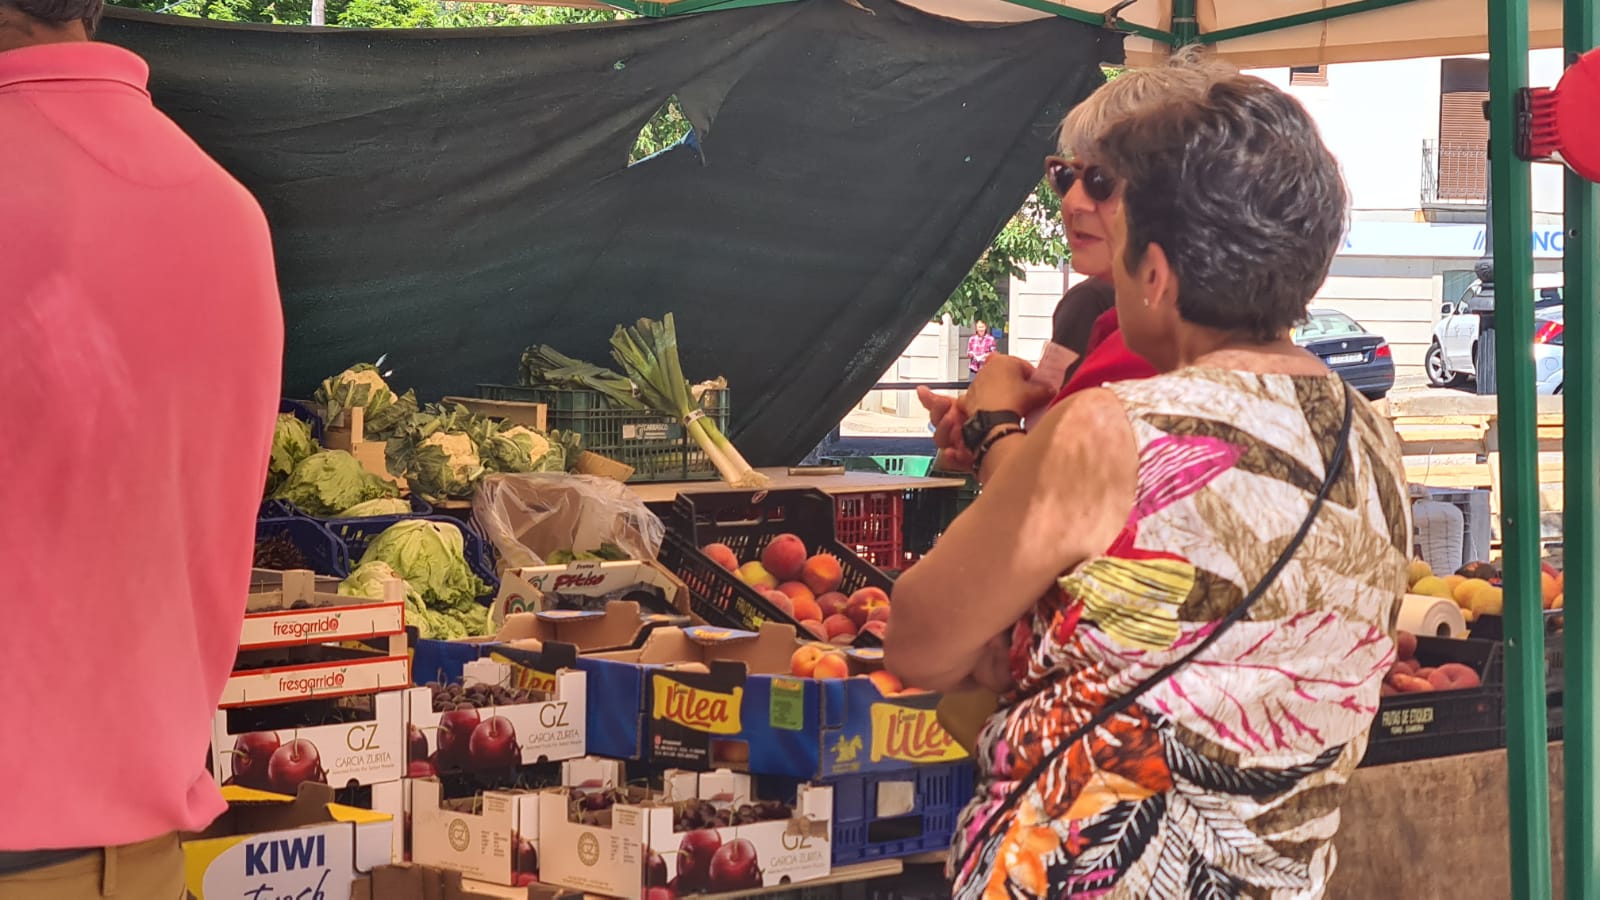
{"x": 914, "y": 466}
{"x": 656, "y": 446}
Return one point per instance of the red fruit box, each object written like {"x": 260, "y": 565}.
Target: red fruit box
{"x": 279, "y": 747}
{"x": 317, "y": 671}
{"x": 644, "y": 847}
{"x": 746, "y": 522}
{"x": 288, "y": 609}
{"x": 502, "y": 737}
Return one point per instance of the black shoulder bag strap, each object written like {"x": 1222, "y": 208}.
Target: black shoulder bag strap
{"x": 1336, "y": 466}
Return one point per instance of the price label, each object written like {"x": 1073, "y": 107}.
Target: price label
{"x": 787, "y": 709}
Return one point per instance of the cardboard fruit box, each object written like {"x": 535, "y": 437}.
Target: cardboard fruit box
{"x": 703, "y": 698}
{"x": 589, "y": 585}
{"x": 295, "y": 607}
{"x": 277, "y": 747}
{"x": 418, "y": 882}
{"x": 490, "y": 836}
{"x": 549, "y": 727}
{"x": 632, "y": 848}
{"x": 270, "y": 845}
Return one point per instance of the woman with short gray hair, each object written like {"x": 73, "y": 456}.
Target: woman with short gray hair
{"x": 1204, "y": 564}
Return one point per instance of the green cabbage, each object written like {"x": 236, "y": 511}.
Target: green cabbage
{"x": 379, "y": 507}
{"x": 431, "y": 557}
{"x": 327, "y": 483}
{"x": 291, "y": 443}
{"x": 363, "y": 385}
{"x": 367, "y": 581}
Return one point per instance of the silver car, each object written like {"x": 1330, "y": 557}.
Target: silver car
{"x": 1452, "y": 357}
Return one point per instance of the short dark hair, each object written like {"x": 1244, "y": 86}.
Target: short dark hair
{"x": 61, "y": 12}
{"x": 1242, "y": 195}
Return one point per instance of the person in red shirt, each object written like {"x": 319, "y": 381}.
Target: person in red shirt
{"x": 141, "y": 357}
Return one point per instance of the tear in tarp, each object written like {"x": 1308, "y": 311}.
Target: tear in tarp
{"x": 449, "y": 197}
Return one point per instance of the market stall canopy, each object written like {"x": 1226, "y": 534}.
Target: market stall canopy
{"x": 1250, "y": 33}
{"x": 450, "y": 197}
{"x": 1260, "y": 33}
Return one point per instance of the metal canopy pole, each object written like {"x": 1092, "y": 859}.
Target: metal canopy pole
{"x": 1581, "y": 534}
{"x": 1512, "y": 188}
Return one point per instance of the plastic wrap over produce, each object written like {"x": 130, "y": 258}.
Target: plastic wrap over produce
{"x": 549, "y": 519}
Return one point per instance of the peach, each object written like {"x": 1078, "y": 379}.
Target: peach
{"x": 722, "y": 555}
{"x": 804, "y": 661}
{"x": 888, "y": 685}
{"x": 781, "y": 601}
{"x": 814, "y": 626}
{"x": 1405, "y": 644}
{"x": 1405, "y": 666}
{"x": 806, "y": 609}
{"x": 1410, "y": 684}
{"x": 1549, "y": 587}
{"x": 863, "y": 602}
{"x": 842, "y": 640}
{"x": 832, "y": 603}
{"x": 833, "y": 664}
{"x": 757, "y": 576}
{"x": 881, "y": 614}
{"x": 839, "y": 624}
{"x": 784, "y": 556}
{"x": 875, "y": 628}
{"x": 1387, "y": 690}
{"x": 822, "y": 574}
{"x": 1454, "y": 677}
{"x": 796, "y": 590}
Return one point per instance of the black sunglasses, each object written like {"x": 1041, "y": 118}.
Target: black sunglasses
{"x": 1097, "y": 182}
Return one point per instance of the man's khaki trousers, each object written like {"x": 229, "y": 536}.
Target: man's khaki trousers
{"x": 152, "y": 870}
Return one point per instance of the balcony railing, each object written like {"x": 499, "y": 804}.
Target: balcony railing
{"x": 1454, "y": 173}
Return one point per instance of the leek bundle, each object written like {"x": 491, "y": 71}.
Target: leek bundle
{"x": 544, "y": 366}
{"x": 648, "y": 353}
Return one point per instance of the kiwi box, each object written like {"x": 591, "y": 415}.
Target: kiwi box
{"x": 271, "y": 845}
{"x": 703, "y": 698}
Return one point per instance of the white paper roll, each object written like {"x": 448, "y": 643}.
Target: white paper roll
{"x": 1432, "y": 616}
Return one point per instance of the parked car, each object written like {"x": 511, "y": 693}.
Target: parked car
{"x": 1363, "y": 359}
{"x": 1452, "y": 357}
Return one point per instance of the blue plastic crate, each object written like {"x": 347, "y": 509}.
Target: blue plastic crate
{"x": 940, "y": 792}
{"x": 419, "y": 507}
{"x": 356, "y": 534}
{"x": 276, "y": 509}
{"x": 324, "y": 552}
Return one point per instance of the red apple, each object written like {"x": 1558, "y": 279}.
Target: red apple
{"x": 655, "y": 870}
{"x": 527, "y": 857}
{"x": 735, "y": 867}
{"x": 251, "y": 752}
{"x": 493, "y": 745}
{"x": 694, "y": 859}
{"x": 455, "y": 733}
{"x": 416, "y": 743}
{"x": 293, "y": 764}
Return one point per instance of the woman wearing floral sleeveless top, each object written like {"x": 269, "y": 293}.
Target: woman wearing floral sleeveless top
{"x": 1132, "y": 518}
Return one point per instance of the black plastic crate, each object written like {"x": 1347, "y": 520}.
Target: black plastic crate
{"x": 746, "y": 521}
{"x": 324, "y": 553}
{"x": 1492, "y": 628}
{"x": 658, "y": 447}
{"x": 929, "y": 512}
{"x": 1443, "y": 723}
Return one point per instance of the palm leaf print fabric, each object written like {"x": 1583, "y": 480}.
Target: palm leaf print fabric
{"x": 1223, "y": 781}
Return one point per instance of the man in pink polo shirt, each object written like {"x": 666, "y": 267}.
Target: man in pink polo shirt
{"x": 141, "y": 342}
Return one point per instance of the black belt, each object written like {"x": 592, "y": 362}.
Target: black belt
{"x": 15, "y": 861}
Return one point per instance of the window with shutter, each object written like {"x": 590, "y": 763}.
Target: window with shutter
{"x": 1462, "y": 161}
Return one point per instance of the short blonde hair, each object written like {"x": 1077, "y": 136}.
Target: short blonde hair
{"x": 1188, "y": 73}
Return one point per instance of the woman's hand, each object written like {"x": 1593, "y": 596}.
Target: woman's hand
{"x": 1005, "y": 384}
{"x": 947, "y": 415}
